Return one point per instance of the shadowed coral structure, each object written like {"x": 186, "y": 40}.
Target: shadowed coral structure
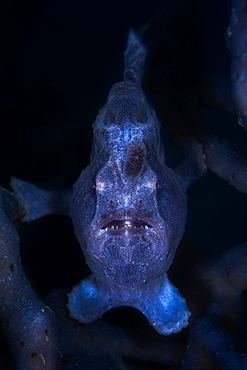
{"x": 151, "y": 239}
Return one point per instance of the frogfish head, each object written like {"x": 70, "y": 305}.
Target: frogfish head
{"x": 130, "y": 237}
{"x": 129, "y": 208}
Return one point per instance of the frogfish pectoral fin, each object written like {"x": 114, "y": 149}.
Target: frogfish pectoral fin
{"x": 161, "y": 303}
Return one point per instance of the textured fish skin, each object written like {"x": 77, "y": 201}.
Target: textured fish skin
{"x": 129, "y": 210}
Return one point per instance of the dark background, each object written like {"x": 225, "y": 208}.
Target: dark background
{"x": 58, "y": 61}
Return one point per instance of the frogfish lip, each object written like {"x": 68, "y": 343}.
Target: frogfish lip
{"x": 129, "y": 225}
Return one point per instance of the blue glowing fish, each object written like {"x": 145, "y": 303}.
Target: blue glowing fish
{"x": 128, "y": 209}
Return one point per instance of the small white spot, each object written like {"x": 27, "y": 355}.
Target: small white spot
{"x": 100, "y": 186}
{"x": 151, "y": 185}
